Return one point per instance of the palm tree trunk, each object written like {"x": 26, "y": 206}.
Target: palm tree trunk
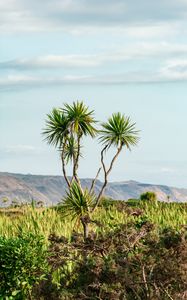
{"x": 63, "y": 166}
{"x": 94, "y": 180}
{"x": 76, "y": 161}
{"x": 106, "y": 173}
{"x": 85, "y": 228}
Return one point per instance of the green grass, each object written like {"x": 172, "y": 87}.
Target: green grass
{"x": 46, "y": 221}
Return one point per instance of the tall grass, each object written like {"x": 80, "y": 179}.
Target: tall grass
{"x": 40, "y": 221}
{"x": 48, "y": 221}
{"x": 163, "y": 214}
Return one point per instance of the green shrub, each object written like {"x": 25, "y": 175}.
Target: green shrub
{"x": 22, "y": 264}
{"x": 148, "y": 196}
{"x": 132, "y": 202}
{"x": 132, "y": 261}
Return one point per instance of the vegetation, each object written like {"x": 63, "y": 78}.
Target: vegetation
{"x": 138, "y": 246}
{"x": 77, "y": 204}
{"x": 65, "y": 129}
{"x": 148, "y": 196}
{"x": 22, "y": 264}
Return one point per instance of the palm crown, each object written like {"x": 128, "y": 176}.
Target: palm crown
{"x": 65, "y": 128}
{"x": 119, "y": 131}
{"x": 80, "y": 119}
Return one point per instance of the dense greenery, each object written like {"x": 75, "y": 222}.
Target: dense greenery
{"x": 135, "y": 250}
{"x": 22, "y": 264}
{"x": 148, "y": 196}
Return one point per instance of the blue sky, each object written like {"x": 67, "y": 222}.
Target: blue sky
{"x": 127, "y": 56}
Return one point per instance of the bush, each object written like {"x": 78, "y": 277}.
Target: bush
{"x": 22, "y": 264}
{"x": 133, "y": 261}
{"x": 148, "y": 196}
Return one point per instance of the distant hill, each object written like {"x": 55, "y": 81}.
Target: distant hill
{"x": 51, "y": 189}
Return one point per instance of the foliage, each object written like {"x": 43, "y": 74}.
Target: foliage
{"x": 125, "y": 263}
{"x": 132, "y": 252}
{"x": 22, "y": 264}
{"x": 119, "y": 130}
{"x": 45, "y": 221}
{"x": 77, "y": 202}
{"x": 65, "y": 128}
{"x": 80, "y": 119}
{"x": 56, "y": 127}
{"x": 148, "y": 196}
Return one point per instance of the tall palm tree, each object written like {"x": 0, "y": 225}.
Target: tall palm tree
{"x": 119, "y": 132}
{"x": 65, "y": 127}
{"x": 80, "y": 123}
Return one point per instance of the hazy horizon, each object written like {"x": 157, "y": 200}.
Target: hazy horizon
{"x": 91, "y": 178}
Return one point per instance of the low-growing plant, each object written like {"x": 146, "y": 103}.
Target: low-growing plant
{"x": 22, "y": 264}
{"x": 129, "y": 262}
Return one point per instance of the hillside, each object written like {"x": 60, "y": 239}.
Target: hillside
{"x": 50, "y": 189}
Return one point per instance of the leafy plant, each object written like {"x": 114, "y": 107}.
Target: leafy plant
{"x": 77, "y": 204}
{"x": 148, "y": 196}
{"x": 22, "y": 264}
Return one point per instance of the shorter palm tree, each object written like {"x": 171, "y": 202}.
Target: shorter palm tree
{"x": 78, "y": 203}
{"x": 119, "y": 132}
{"x": 56, "y": 133}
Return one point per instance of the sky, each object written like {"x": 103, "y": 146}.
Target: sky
{"x": 116, "y": 55}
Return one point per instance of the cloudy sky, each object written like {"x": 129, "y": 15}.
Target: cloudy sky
{"x": 116, "y": 55}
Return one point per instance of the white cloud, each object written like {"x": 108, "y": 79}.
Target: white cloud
{"x": 21, "y": 149}
{"x": 175, "y": 69}
{"x": 163, "y": 71}
{"x": 54, "y": 61}
{"x": 21, "y": 82}
{"x": 133, "y": 51}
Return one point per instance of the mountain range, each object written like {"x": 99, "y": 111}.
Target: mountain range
{"x": 51, "y": 189}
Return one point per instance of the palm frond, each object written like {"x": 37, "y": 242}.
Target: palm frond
{"x": 80, "y": 119}
{"x": 56, "y": 127}
{"x": 70, "y": 149}
{"x": 119, "y": 130}
{"x": 77, "y": 202}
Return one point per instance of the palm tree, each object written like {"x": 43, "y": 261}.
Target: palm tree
{"x": 80, "y": 123}
{"x": 65, "y": 127}
{"x": 77, "y": 204}
{"x": 56, "y": 133}
{"x": 119, "y": 132}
